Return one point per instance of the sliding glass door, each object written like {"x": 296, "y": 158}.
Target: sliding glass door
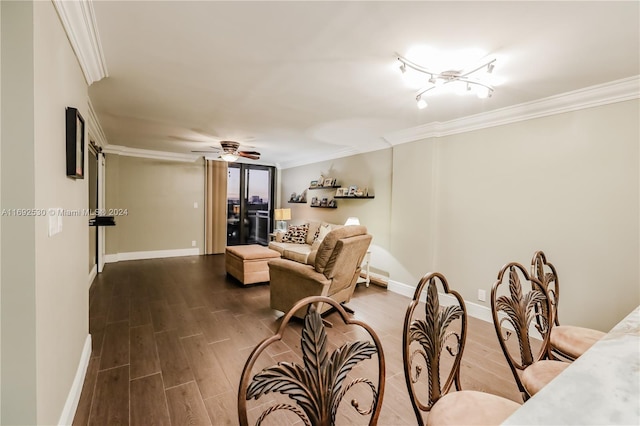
{"x": 250, "y": 190}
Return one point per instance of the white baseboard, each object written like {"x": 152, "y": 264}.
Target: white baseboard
{"x": 157, "y": 254}
{"x": 473, "y": 309}
{"x": 92, "y": 274}
{"x": 70, "y": 406}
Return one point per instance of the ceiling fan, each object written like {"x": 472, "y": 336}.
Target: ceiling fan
{"x": 231, "y": 152}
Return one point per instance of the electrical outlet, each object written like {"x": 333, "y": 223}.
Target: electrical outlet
{"x": 193, "y": 243}
{"x": 482, "y": 295}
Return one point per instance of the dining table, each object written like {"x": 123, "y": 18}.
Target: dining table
{"x": 601, "y": 387}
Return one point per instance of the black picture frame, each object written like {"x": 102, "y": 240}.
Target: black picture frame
{"x": 75, "y": 143}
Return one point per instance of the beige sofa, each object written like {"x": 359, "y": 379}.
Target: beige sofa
{"x": 300, "y": 251}
{"x": 332, "y": 270}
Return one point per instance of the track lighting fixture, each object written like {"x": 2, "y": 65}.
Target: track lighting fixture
{"x": 472, "y": 79}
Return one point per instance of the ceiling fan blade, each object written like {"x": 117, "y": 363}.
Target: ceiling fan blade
{"x": 247, "y": 154}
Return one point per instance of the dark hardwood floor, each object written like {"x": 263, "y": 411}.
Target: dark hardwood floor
{"x": 171, "y": 336}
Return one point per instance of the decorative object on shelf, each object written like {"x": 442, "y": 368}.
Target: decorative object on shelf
{"x": 314, "y": 202}
{"x": 281, "y": 216}
{"x": 332, "y": 203}
{"x": 75, "y": 143}
{"x": 324, "y": 202}
{"x": 340, "y": 192}
{"x": 298, "y": 198}
{"x": 352, "y": 191}
{"x": 329, "y": 182}
{"x": 352, "y": 221}
{"x": 465, "y": 80}
{"x": 313, "y": 184}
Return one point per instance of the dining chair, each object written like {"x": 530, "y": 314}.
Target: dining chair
{"x": 434, "y": 342}
{"x": 528, "y": 314}
{"x": 567, "y": 342}
{"x": 311, "y": 385}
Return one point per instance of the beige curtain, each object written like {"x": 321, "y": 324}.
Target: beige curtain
{"x": 216, "y": 207}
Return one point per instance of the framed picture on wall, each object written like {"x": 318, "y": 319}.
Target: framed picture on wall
{"x": 75, "y": 143}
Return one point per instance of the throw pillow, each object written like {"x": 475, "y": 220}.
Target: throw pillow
{"x": 296, "y": 234}
{"x": 322, "y": 232}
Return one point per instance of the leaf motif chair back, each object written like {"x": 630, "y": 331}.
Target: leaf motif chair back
{"x": 313, "y": 390}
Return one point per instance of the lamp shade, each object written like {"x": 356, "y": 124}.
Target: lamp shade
{"x": 282, "y": 214}
{"x": 352, "y": 221}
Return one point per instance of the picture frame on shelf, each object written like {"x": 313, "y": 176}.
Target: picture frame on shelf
{"x": 293, "y": 197}
{"x": 352, "y": 191}
{"x": 332, "y": 203}
{"x": 340, "y": 192}
{"x": 313, "y": 184}
{"x": 314, "y": 201}
{"x": 324, "y": 202}
{"x": 328, "y": 182}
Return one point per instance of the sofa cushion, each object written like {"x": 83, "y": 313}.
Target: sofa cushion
{"x": 324, "y": 252}
{"x": 298, "y": 253}
{"x": 292, "y": 251}
{"x": 296, "y": 234}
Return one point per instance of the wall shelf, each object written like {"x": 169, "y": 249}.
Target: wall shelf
{"x": 324, "y": 187}
{"x": 354, "y": 197}
{"x": 297, "y": 202}
{"x": 324, "y": 207}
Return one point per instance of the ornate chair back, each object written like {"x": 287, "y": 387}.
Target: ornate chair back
{"x": 520, "y": 305}
{"x": 546, "y": 273}
{"x": 424, "y": 340}
{"x": 311, "y": 387}
{"x": 566, "y": 342}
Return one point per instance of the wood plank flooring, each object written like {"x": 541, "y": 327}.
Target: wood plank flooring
{"x": 171, "y": 336}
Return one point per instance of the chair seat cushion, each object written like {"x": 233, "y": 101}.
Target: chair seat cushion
{"x": 574, "y": 341}
{"x": 471, "y": 408}
{"x": 537, "y": 375}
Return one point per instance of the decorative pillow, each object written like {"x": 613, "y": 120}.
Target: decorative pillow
{"x": 296, "y": 234}
{"x": 322, "y": 232}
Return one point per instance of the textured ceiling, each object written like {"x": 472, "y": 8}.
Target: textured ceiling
{"x": 302, "y": 81}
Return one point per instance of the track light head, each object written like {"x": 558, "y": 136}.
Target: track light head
{"x": 422, "y": 104}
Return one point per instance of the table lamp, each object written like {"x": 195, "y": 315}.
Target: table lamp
{"x": 352, "y": 221}
{"x": 281, "y": 216}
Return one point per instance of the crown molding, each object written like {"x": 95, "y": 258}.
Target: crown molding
{"x": 147, "y": 153}
{"x": 79, "y": 23}
{"x": 603, "y": 94}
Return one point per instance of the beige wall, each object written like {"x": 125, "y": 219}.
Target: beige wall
{"x": 44, "y": 291}
{"x": 566, "y": 184}
{"x": 159, "y": 197}
{"x": 371, "y": 170}
{"x": 61, "y": 271}
{"x": 18, "y": 240}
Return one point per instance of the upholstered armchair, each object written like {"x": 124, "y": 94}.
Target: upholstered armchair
{"x": 332, "y": 270}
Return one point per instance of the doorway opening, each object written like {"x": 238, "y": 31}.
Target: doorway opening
{"x": 250, "y": 195}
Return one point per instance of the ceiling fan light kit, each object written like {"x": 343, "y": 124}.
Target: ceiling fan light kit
{"x": 466, "y": 81}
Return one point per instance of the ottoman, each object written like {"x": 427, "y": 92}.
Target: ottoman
{"x": 248, "y": 264}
